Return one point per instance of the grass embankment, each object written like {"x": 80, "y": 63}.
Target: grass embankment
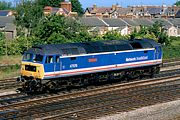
{"x": 10, "y": 71}
{"x": 172, "y": 51}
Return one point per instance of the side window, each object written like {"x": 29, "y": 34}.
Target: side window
{"x": 70, "y": 51}
{"x": 136, "y": 45}
{"x": 49, "y": 59}
{"x": 57, "y": 59}
{"x": 74, "y": 51}
{"x": 146, "y": 45}
{"x": 65, "y": 52}
{"x": 73, "y": 58}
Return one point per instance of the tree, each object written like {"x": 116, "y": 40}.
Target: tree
{"x": 177, "y": 3}
{"x": 1, "y": 36}
{"x": 5, "y": 5}
{"x": 156, "y": 28}
{"x": 163, "y": 39}
{"x": 113, "y": 35}
{"x": 2, "y": 44}
{"x": 77, "y": 7}
{"x": 28, "y": 14}
{"x": 59, "y": 29}
{"x": 155, "y": 32}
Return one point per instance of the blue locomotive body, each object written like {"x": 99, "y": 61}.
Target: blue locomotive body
{"x": 65, "y": 61}
{"x": 92, "y": 63}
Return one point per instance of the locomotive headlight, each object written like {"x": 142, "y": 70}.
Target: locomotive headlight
{"x": 38, "y": 69}
{"x": 22, "y": 67}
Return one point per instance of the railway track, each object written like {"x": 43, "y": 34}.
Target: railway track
{"x": 11, "y": 83}
{"x": 22, "y": 106}
{"x": 66, "y": 105}
{"x": 13, "y": 98}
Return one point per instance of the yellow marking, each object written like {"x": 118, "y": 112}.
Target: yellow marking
{"x": 39, "y": 70}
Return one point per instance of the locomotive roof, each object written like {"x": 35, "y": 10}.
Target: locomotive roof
{"x": 92, "y": 47}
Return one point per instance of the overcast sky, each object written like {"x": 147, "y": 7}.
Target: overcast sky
{"x": 125, "y": 3}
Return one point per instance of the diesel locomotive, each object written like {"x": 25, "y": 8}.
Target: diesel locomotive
{"x": 55, "y": 66}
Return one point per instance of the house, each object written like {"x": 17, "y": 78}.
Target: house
{"x": 125, "y": 13}
{"x": 8, "y": 27}
{"x": 164, "y": 22}
{"x": 172, "y": 10}
{"x": 95, "y": 25}
{"x": 65, "y": 9}
{"x": 171, "y": 30}
{"x": 118, "y": 25}
{"x": 101, "y": 26}
{"x": 177, "y": 14}
{"x": 138, "y": 22}
{"x": 171, "y": 26}
{"x": 6, "y": 12}
{"x": 176, "y": 23}
{"x": 154, "y": 12}
{"x": 48, "y": 10}
{"x": 178, "y": 32}
{"x": 101, "y": 12}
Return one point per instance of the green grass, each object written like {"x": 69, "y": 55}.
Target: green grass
{"x": 172, "y": 51}
{"x": 9, "y": 72}
{"x": 9, "y": 60}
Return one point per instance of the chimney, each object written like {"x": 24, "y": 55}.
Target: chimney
{"x": 94, "y": 7}
{"x": 67, "y": 5}
{"x": 114, "y": 7}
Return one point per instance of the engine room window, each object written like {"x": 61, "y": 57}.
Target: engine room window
{"x": 38, "y": 58}
{"x": 49, "y": 59}
{"x": 70, "y": 51}
{"x": 146, "y": 45}
{"x": 73, "y": 58}
{"x": 123, "y": 47}
{"x": 65, "y": 52}
{"x": 136, "y": 45}
{"x": 27, "y": 57}
{"x": 74, "y": 51}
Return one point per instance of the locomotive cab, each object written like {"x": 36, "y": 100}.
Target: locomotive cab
{"x": 32, "y": 66}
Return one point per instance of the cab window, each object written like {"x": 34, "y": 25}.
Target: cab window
{"x": 38, "y": 58}
{"x": 49, "y": 59}
{"x": 57, "y": 59}
{"x": 27, "y": 57}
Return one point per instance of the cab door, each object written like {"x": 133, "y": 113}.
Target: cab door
{"x": 50, "y": 64}
{"x": 158, "y": 52}
{"x": 57, "y": 63}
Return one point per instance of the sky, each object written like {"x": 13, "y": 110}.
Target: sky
{"x": 125, "y": 3}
